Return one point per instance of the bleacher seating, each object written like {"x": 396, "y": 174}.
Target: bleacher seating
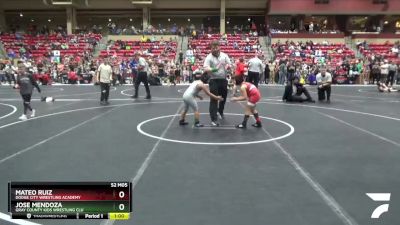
{"x": 41, "y": 45}
{"x": 384, "y": 50}
{"x": 133, "y": 46}
{"x": 201, "y": 45}
{"x": 332, "y": 53}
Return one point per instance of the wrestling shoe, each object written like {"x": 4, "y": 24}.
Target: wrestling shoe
{"x": 257, "y": 125}
{"x": 214, "y": 124}
{"x": 241, "y": 126}
{"x": 23, "y": 117}
{"x": 33, "y": 113}
{"x": 183, "y": 123}
{"x": 198, "y": 125}
{"x": 221, "y": 116}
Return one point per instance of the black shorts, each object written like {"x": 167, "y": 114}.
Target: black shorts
{"x": 26, "y": 97}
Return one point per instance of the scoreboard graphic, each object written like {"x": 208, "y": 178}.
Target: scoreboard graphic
{"x": 70, "y": 200}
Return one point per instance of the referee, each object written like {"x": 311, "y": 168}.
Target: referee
{"x": 142, "y": 76}
{"x": 256, "y": 68}
{"x": 216, "y": 65}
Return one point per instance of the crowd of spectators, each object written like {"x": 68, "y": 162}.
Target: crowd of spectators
{"x": 75, "y": 63}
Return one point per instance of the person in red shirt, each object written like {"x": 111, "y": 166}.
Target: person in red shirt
{"x": 72, "y": 77}
{"x": 45, "y": 78}
{"x": 240, "y": 67}
{"x": 250, "y": 93}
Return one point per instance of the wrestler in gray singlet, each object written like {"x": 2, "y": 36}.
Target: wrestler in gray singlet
{"x": 189, "y": 96}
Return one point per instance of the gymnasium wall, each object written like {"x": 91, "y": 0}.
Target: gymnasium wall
{"x": 376, "y": 38}
{"x": 331, "y": 38}
{"x": 138, "y": 37}
{"x": 349, "y": 7}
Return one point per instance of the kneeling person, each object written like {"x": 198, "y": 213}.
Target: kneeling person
{"x": 250, "y": 93}
{"x": 190, "y": 101}
{"x": 324, "y": 81}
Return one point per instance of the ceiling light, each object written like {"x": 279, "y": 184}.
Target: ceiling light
{"x": 61, "y": 2}
{"x": 142, "y": 2}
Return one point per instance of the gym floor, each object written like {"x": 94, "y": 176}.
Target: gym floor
{"x": 310, "y": 164}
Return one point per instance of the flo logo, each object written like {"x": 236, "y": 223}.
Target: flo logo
{"x": 379, "y": 197}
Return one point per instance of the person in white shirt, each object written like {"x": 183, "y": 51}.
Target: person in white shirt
{"x": 384, "y": 70}
{"x": 256, "y": 68}
{"x": 104, "y": 76}
{"x": 216, "y": 65}
{"x": 324, "y": 81}
{"x": 142, "y": 76}
{"x": 189, "y": 52}
{"x": 392, "y": 72}
{"x": 311, "y": 27}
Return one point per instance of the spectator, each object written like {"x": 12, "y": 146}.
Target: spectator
{"x": 189, "y": 52}
{"x": 235, "y": 45}
{"x": 180, "y": 57}
{"x": 392, "y": 72}
{"x": 143, "y": 39}
{"x": 240, "y": 68}
{"x": 311, "y": 27}
{"x": 10, "y": 72}
{"x": 267, "y": 72}
{"x": 255, "y": 66}
{"x": 104, "y": 76}
{"x": 72, "y": 77}
{"x": 247, "y": 48}
{"x": 2, "y": 71}
{"x": 384, "y": 71}
{"x": 324, "y": 81}
{"x": 282, "y": 72}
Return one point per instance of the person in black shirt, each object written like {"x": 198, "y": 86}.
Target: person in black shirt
{"x": 178, "y": 73}
{"x": 266, "y": 73}
{"x": 180, "y": 57}
{"x": 295, "y": 90}
{"x": 26, "y": 84}
{"x": 291, "y": 70}
{"x": 2, "y": 72}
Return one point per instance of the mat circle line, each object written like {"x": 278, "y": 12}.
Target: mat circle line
{"x": 139, "y": 128}
{"x": 50, "y": 90}
{"x": 367, "y": 91}
{"x": 123, "y": 93}
{"x": 84, "y": 93}
{"x": 11, "y": 113}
